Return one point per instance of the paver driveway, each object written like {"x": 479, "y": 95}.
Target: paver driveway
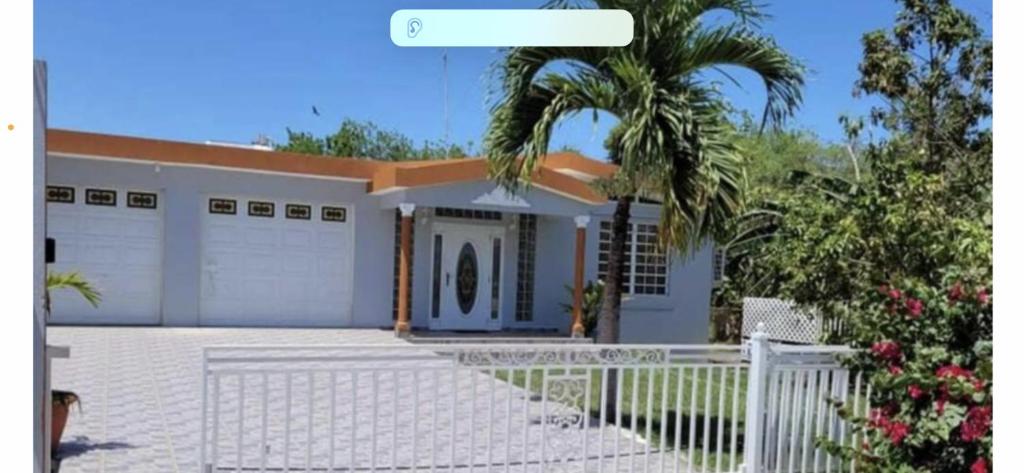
{"x": 140, "y": 391}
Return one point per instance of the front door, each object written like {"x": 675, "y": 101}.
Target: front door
{"x": 466, "y": 280}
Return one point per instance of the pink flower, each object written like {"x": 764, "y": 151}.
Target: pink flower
{"x": 877, "y": 418}
{"x": 897, "y": 431}
{"x": 953, "y": 371}
{"x": 956, "y": 292}
{"x": 895, "y": 293}
{"x": 976, "y": 424}
{"x": 914, "y": 307}
{"x": 982, "y": 296}
{"x": 895, "y": 370}
{"x": 979, "y": 466}
{"x": 915, "y": 391}
{"x": 886, "y": 350}
{"x": 940, "y": 405}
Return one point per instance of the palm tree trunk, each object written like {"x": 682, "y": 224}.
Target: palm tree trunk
{"x": 608, "y": 320}
{"x": 611, "y": 305}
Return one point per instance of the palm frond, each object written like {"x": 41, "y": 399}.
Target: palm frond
{"x": 521, "y": 127}
{"x": 729, "y": 45}
{"x": 73, "y": 280}
{"x": 671, "y": 139}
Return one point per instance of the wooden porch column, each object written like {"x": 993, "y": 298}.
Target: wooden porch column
{"x": 402, "y": 326}
{"x": 577, "y": 329}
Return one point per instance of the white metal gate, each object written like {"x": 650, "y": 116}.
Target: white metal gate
{"x": 503, "y": 407}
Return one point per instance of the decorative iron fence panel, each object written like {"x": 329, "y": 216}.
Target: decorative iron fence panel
{"x": 473, "y": 408}
{"x": 524, "y": 408}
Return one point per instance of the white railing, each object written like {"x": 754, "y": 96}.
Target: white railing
{"x": 512, "y": 407}
{"x": 791, "y": 399}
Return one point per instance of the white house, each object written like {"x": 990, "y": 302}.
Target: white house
{"x": 185, "y": 234}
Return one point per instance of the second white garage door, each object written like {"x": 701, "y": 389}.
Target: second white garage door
{"x": 276, "y": 263}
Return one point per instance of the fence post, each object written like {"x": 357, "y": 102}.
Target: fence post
{"x": 202, "y": 417}
{"x": 757, "y": 384}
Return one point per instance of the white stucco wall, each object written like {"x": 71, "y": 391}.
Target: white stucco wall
{"x": 681, "y": 316}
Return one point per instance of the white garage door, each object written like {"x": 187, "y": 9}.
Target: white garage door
{"x": 272, "y": 262}
{"x": 114, "y": 238}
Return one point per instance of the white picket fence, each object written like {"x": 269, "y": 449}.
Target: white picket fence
{"x": 521, "y": 408}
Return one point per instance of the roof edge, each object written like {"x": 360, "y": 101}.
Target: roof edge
{"x": 178, "y": 152}
{"x": 381, "y": 175}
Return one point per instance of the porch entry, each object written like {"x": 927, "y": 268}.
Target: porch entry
{"x": 466, "y": 268}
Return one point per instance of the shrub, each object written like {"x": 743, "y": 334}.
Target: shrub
{"x": 927, "y": 352}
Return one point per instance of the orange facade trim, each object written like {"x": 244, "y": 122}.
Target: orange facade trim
{"x": 437, "y": 173}
{"x": 176, "y": 152}
{"x": 380, "y": 175}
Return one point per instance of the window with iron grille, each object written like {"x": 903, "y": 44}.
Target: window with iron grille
{"x": 141, "y": 200}
{"x": 645, "y": 266}
{"x": 62, "y": 194}
{"x": 398, "y": 251}
{"x": 105, "y": 197}
{"x": 223, "y": 206}
{"x": 495, "y": 278}
{"x": 467, "y": 213}
{"x": 261, "y": 209}
{"x": 525, "y": 265}
{"x": 719, "y": 266}
{"x": 298, "y": 211}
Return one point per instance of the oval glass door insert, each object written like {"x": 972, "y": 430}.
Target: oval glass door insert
{"x": 466, "y": 277}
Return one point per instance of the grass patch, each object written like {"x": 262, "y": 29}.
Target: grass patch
{"x": 692, "y": 408}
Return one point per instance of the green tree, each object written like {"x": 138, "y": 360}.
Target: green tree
{"x": 774, "y": 156}
{"x": 904, "y": 253}
{"x": 366, "y": 140}
{"x": 923, "y": 208}
{"x": 933, "y": 71}
{"x": 671, "y": 141}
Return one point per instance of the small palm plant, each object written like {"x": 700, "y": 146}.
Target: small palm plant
{"x": 593, "y": 295}
{"x": 63, "y": 400}
{"x": 71, "y": 280}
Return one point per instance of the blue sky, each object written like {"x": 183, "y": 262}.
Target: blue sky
{"x": 232, "y": 70}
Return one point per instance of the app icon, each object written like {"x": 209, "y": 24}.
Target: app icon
{"x": 414, "y": 27}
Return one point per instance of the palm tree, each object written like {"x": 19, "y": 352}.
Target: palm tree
{"x": 671, "y": 140}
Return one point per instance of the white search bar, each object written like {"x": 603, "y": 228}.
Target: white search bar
{"x": 499, "y": 28}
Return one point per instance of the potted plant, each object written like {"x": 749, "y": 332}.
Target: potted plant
{"x": 63, "y": 400}
{"x": 593, "y": 294}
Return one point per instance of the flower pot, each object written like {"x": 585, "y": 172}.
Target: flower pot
{"x": 62, "y": 402}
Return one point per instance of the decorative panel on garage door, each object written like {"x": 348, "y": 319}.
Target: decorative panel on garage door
{"x": 262, "y": 267}
{"x": 116, "y": 247}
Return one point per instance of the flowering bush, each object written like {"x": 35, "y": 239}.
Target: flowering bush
{"x": 927, "y": 354}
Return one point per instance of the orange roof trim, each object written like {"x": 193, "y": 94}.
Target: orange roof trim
{"x": 175, "y": 152}
{"x": 380, "y": 175}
